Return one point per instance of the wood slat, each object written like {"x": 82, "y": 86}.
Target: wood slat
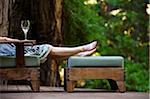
{"x": 23, "y": 88}
{"x": 15, "y": 88}
{"x": 12, "y": 88}
{"x": 95, "y": 73}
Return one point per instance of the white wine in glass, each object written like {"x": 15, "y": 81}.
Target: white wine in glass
{"x": 25, "y": 25}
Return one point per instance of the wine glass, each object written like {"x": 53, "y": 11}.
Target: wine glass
{"x": 25, "y": 25}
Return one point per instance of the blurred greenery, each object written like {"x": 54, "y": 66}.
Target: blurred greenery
{"x": 120, "y": 27}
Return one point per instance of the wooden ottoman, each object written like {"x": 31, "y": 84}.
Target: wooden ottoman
{"x": 95, "y": 67}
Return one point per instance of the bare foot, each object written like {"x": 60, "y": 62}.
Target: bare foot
{"x": 86, "y": 53}
{"x": 90, "y": 46}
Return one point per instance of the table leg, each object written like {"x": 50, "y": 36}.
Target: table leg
{"x": 20, "y": 62}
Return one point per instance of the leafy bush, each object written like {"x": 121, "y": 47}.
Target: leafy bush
{"x": 136, "y": 76}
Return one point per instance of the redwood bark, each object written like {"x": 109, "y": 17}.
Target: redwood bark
{"x": 4, "y": 23}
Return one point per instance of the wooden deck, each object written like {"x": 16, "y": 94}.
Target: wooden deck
{"x": 24, "y": 92}
{"x": 26, "y": 88}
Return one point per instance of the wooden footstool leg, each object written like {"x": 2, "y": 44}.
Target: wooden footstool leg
{"x": 121, "y": 86}
{"x": 35, "y": 83}
{"x": 70, "y": 86}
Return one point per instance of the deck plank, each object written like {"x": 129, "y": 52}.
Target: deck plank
{"x": 12, "y": 88}
{"x": 46, "y": 92}
{"x": 74, "y": 95}
{"x": 4, "y": 87}
{"x": 23, "y": 88}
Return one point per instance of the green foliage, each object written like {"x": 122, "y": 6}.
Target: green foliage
{"x": 136, "y": 76}
{"x": 104, "y": 84}
{"x": 80, "y": 21}
{"x": 124, "y": 33}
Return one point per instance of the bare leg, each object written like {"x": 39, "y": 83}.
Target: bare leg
{"x": 86, "y": 53}
{"x": 67, "y": 51}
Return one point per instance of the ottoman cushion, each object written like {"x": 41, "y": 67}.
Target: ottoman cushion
{"x": 10, "y": 61}
{"x": 92, "y": 61}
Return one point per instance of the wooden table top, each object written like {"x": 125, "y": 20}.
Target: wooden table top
{"x": 20, "y": 41}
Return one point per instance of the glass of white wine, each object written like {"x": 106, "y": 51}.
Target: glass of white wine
{"x": 25, "y": 26}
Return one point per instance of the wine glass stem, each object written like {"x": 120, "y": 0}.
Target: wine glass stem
{"x": 25, "y": 36}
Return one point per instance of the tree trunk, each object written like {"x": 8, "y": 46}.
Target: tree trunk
{"x": 45, "y": 17}
{"x": 4, "y": 23}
